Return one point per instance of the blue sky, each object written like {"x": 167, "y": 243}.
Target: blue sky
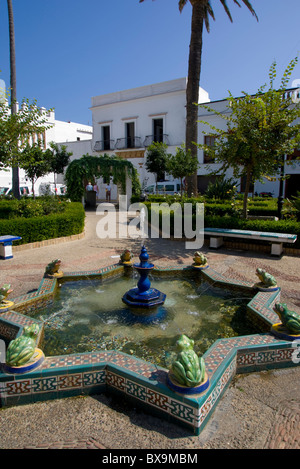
{"x": 70, "y": 50}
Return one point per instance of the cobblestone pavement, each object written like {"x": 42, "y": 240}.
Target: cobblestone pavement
{"x": 90, "y": 443}
{"x": 286, "y": 431}
{"x": 258, "y": 411}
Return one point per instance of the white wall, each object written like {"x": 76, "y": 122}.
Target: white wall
{"x": 166, "y": 100}
{"x": 141, "y": 105}
{"x": 59, "y": 132}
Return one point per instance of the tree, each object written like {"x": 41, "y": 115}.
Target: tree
{"x": 17, "y": 129}
{"x": 261, "y": 129}
{"x": 201, "y": 11}
{"x": 60, "y": 159}
{"x": 156, "y": 160}
{"x": 181, "y": 164}
{"x": 13, "y": 89}
{"x": 35, "y": 162}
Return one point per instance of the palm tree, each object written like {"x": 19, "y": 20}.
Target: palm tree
{"x": 201, "y": 13}
{"x": 13, "y": 87}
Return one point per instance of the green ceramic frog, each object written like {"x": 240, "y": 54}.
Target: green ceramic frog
{"x": 5, "y": 290}
{"x": 290, "y": 319}
{"x": 53, "y": 267}
{"x": 21, "y": 349}
{"x": 200, "y": 259}
{"x": 267, "y": 279}
{"x": 188, "y": 369}
{"x": 126, "y": 256}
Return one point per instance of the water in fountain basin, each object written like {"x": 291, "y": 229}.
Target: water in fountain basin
{"x": 89, "y": 315}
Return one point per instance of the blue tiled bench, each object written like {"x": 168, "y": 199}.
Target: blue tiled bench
{"x": 277, "y": 239}
{"x": 6, "y": 246}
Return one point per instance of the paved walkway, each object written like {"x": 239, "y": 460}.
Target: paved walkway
{"x": 259, "y": 410}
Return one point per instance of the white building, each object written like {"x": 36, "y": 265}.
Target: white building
{"x": 291, "y": 184}
{"x": 126, "y": 122}
{"x": 60, "y": 132}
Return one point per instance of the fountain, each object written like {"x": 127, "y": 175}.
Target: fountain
{"x": 143, "y": 297}
{"x": 135, "y": 358}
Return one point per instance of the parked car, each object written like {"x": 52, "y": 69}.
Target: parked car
{"x": 163, "y": 187}
{"x": 24, "y": 190}
{"x": 47, "y": 188}
{"x": 265, "y": 194}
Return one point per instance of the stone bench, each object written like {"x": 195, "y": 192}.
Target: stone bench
{"x": 6, "y": 246}
{"x": 276, "y": 239}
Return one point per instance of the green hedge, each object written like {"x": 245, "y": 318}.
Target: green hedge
{"x": 280, "y": 226}
{"x": 57, "y": 225}
{"x": 225, "y": 221}
{"x": 28, "y": 207}
{"x": 261, "y": 207}
{"x": 228, "y": 209}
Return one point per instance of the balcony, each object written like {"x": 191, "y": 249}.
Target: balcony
{"x": 128, "y": 142}
{"x": 102, "y": 145}
{"x": 149, "y": 139}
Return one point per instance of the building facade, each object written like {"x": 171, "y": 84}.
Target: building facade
{"x": 60, "y": 132}
{"x": 125, "y": 123}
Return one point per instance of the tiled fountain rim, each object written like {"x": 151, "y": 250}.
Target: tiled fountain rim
{"x": 94, "y": 372}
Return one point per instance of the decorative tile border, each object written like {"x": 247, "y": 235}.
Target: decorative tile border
{"x": 9, "y": 330}
{"x": 141, "y": 382}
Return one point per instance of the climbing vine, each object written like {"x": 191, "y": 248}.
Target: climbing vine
{"x": 92, "y": 167}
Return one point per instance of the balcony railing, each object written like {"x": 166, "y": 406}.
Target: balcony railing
{"x": 128, "y": 142}
{"x": 149, "y": 139}
{"x": 102, "y": 145}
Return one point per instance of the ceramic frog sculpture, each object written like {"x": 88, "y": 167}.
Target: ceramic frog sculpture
{"x": 21, "y": 349}
{"x": 267, "y": 279}
{"x": 53, "y": 267}
{"x": 200, "y": 258}
{"x": 126, "y": 256}
{"x": 5, "y": 290}
{"x": 188, "y": 369}
{"x": 290, "y": 319}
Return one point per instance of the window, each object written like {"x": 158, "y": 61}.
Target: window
{"x": 105, "y": 129}
{"x": 158, "y": 130}
{"x": 130, "y": 134}
{"x": 209, "y": 141}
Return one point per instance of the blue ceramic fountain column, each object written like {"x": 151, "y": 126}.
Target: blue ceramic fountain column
{"x": 143, "y": 296}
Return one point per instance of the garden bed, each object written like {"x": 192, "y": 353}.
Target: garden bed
{"x": 65, "y": 222}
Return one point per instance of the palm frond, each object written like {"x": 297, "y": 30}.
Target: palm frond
{"x": 227, "y": 9}
{"x": 181, "y": 4}
{"x": 248, "y": 5}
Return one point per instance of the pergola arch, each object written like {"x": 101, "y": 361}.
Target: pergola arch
{"x": 79, "y": 171}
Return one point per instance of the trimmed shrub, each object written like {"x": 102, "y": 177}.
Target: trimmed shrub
{"x": 28, "y": 207}
{"x": 55, "y": 225}
{"x": 226, "y": 221}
